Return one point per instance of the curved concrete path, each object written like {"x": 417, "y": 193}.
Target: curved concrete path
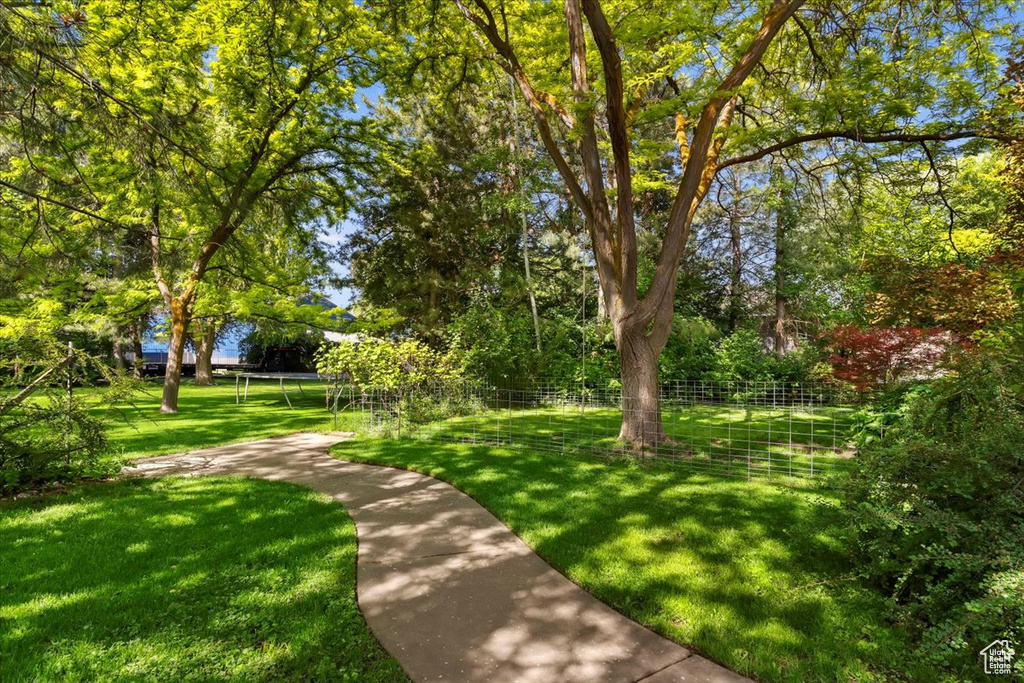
{"x": 448, "y": 590}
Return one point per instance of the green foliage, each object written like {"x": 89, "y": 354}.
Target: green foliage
{"x": 494, "y": 342}
{"x": 52, "y": 439}
{"x": 49, "y": 432}
{"x": 435, "y": 221}
{"x": 379, "y": 364}
{"x": 939, "y": 511}
{"x": 204, "y": 146}
{"x": 742, "y": 356}
{"x": 690, "y": 352}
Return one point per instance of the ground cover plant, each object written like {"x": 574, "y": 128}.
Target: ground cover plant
{"x": 182, "y": 579}
{"x": 754, "y": 576}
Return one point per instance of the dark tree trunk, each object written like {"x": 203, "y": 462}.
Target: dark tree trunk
{"x": 175, "y": 354}
{"x": 139, "y": 359}
{"x": 118, "y": 351}
{"x": 204, "y": 354}
{"x": 736, "y": 272}
{"x": 779, "y": 324}
{"x": 641, "y": 406}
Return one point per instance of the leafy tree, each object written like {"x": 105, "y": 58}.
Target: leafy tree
{"x": 435, "y": 225}
{"x": 725, "y": 85}
{"x": 191, "y": 123}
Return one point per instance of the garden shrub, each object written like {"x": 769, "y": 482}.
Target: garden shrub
{"x": 938, "y": 508}
{"x": 689, "y": 353}
{"x": 381, "y": 364}
{"x": 51, "y": 439}
{"x": 49, "y": 435}
{"x": 401, "y": 382}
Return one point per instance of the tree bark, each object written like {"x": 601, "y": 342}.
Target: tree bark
{"x": 118, "y": 351}
{"x": 779, "y": 324}
{"x": 736, "y": 272}
{"x": 139, "y": 360}
{"x": 641, "y": 405}
{"x": 175, "y": 354}
{"x": 204, "y": 354}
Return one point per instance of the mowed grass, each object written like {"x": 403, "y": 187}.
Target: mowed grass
{"x": 182, "y": 580}
{"x": 208, "y": 416}
{"x": 751, "y": 575}
{"x": 797, "y": 443}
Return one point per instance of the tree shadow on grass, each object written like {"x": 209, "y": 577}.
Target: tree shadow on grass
{"x": 752, "y": 575}
{"x": 183, "y": 579}
{"x": 209, "y": 416}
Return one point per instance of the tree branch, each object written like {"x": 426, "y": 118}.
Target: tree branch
{"x": 510, "y": 63}
{"x": 695, "y": 172}
{"x": 858, "y": 136}
{"x": 618, "y": 132}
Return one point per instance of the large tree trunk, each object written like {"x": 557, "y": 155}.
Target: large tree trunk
{"x": 175, "y": 354}
{"x": 204, "y": 354}
{"x": 641, "y": 400}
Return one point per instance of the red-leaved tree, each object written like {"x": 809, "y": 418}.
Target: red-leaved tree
{"x": 870, "y": 357}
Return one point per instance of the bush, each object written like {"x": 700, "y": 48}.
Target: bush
{"x": 52, "y": 439}
{"x": 873, "y": 357}
{"x": 46, "y": 435}
{"x": 742, "y": 357}
{"x": 690, "y": 352}
{"x": 380, "y": 364}
{"x": 939, "y": 512}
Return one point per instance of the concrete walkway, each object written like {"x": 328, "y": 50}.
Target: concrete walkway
{"x": 448, "y": 590}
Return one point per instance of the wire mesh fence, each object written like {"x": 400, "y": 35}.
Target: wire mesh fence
{"x": 751, "y": 429}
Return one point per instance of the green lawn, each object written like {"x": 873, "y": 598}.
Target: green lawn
{"x": 208, "y": 416}
{"x": 721, "y": 439}
{"x": 182, "y": 579}
{"x": 749, "y": 574}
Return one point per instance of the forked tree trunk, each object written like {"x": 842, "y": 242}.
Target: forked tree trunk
{"x": 613, "y": 235}
{"x": 641, "y": 401}
{"x": 175, "y": 354}
{"x": 204, "y": 354}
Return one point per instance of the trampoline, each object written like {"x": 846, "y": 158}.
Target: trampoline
{"x": 297, "y": 377}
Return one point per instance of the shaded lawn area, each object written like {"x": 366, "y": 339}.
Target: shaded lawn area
{"x": 208, "y": 416}
{"x": 183, "y": 579}
{"x": 749, "y": 574}
{"x": 722, "y": 439}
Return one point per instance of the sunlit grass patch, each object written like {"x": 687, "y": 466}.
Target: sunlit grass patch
{"x": 209, "y": 416}
{"x": 753, "y": 575}
{"x": 182, "y": 579}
